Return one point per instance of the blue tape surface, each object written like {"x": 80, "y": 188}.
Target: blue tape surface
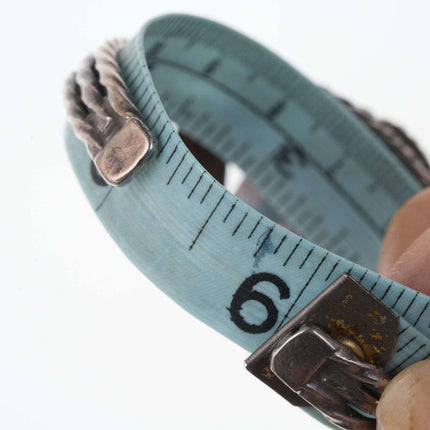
{"x": 318, "y": 166}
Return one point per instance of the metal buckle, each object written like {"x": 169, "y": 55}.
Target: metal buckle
{"x": 104, "y": 117}
{"x": 331, "y": 355}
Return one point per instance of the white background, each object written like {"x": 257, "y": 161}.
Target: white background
{"x": 85, "y": 341}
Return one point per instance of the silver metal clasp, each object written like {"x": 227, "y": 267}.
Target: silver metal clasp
{"x": 103, "y": 116}
{"x": 331, "y": 355}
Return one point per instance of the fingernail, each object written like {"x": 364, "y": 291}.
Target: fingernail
{"x": 404, "y": 404}
{"x": 412, "y": 219}
{"x": 412, "y": 268}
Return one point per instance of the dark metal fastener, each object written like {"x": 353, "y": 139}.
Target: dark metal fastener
{"x": 331, "y": 355}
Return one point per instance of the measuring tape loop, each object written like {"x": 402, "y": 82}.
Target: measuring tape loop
{"x": 319, "y": 166}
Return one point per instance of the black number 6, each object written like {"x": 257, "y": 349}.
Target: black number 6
{"x": 246, "y": 292}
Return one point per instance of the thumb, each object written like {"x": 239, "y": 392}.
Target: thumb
{"x": 405, "y": 258}
{"x": 405, "y": 402}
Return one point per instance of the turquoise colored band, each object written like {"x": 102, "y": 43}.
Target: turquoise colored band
{"x": 318, "y": 166}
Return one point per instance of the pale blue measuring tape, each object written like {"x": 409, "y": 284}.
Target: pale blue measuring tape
{"x": 317, "y": 164}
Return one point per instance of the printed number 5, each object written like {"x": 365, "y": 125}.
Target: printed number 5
{"x": 246, "y": 292}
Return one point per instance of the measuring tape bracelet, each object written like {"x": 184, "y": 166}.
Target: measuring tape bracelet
{"x": 318, "y": 165}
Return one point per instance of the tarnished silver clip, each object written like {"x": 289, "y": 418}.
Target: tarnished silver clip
{"x": 331, "y": 355}
{"x": 103, "y": 116}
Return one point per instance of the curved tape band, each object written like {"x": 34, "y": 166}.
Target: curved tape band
{"x": 316, "y": 163}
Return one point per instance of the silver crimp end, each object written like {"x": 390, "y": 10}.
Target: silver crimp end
{"x": 103, "y": 116}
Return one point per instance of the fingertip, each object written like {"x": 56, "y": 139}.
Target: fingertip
{"x": 404, "y": 403}
{"x": 413, "y": 268}
{"x": 409, "y": 222}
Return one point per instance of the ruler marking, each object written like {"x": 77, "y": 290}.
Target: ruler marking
{"x": 158, "y": 117}
{"x": 147, "y": 103}
{"x": 408, "y": 357}
{"x": 206, "y": 222}
{"x": 176, "y": 168}
{"x": 196, "y": 184}
{"x": 162, "y": 129}
{"x": 282, "y": 240}
{"x": 305, "y": 286}
{"x": 280, "y": 244}
{"x": 153, "y": 109}
{"x": 351, "y": 268}
{"x": 276, "y": 108}
{"x": 307, "y": 257}
{"x": 104, "y": 199}
{"x": 207, "y": 192}
{"x": 317, "y": 268}
{"x": 292, "y": 252}
{"x": 363, "y": 275}
{"x": 421, "y": 314}
{"x": 212, "y": 66}
{"x": 264, "y": 240}
{"x": 172, "y": 154}
{"x": 398, "y": 298}
{"x": 255, "y": 227}
{"x": 230, "y": 211}
{"x": 240, "y": 223}
{"x": 135, "y": 73}
{"x": 386, "y": 291}
{"x": 374, "y": 284}
{"x": 332, "y": 270}
{"x": 403, "y": 330}
{"x": 188, "y": 173}
{"x": 167, "y": 141}
{"x": 406, "y": 344}
{"x": 348, "y": 198}
{"x": 142, "y": 96}
{"x": 410, "y": 304}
